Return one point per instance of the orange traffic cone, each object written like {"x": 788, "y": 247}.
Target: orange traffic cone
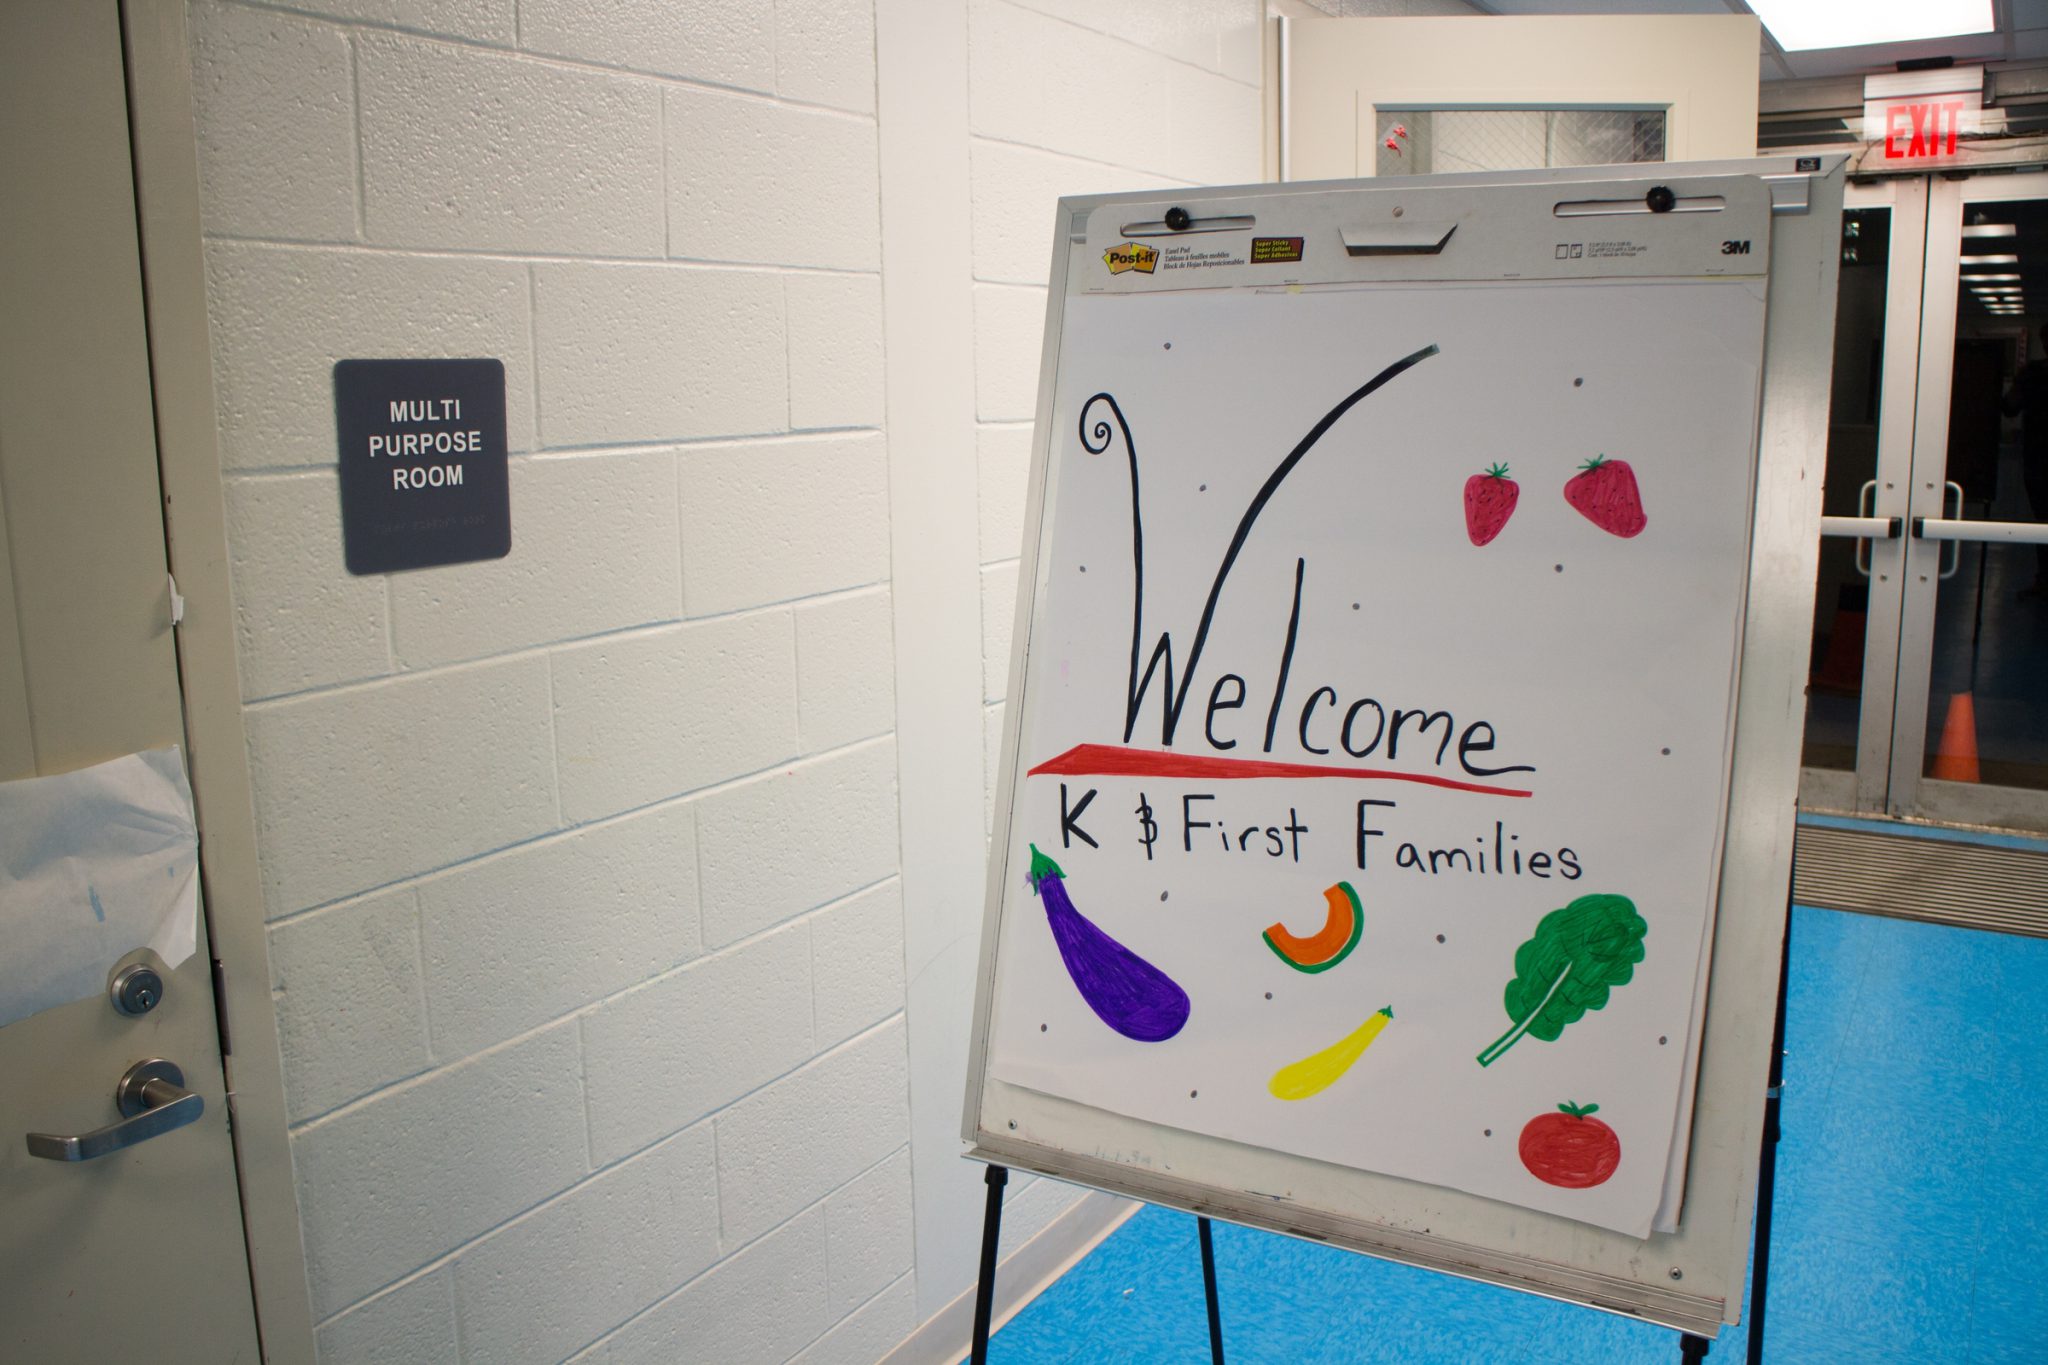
{"x": 1955, "y": 758}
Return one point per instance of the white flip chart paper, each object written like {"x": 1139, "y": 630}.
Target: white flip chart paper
{"x": 1374, "y": 793}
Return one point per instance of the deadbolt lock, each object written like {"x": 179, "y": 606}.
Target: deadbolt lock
{"x": 136, "y": 985}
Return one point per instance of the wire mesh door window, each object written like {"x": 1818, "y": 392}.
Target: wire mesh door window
{"x": 1425, "y": 141}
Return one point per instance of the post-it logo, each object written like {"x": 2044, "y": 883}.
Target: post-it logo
{"x": 1131, "y": 256}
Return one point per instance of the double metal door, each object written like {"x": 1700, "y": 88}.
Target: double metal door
{"x": 1930, "y": 647}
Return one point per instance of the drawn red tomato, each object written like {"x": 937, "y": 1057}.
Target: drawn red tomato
{"x": 1570, "y": 1148}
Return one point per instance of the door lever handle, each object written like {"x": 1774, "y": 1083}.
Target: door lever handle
{"x": 153, "y": 1100}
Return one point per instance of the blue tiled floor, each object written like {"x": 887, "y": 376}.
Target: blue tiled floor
{"x": 1912, "y": 1209}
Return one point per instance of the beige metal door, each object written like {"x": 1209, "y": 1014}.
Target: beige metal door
{"x": 138, "y": 1253}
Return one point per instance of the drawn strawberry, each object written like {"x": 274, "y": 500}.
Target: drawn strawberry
{"x": 1489, "y": 502}
{"x": 1604, "y": 492}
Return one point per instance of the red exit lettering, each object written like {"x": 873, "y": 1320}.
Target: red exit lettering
{"x": 1917, "y": 130}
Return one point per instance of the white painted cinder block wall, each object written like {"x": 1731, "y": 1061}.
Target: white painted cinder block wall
{"x": 585, "y": 867}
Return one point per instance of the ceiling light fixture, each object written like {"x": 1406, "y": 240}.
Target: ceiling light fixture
{"x": 1803, "y": 25}
{"x": 2006, "y": 259}
{"x": 1991, "y": 230}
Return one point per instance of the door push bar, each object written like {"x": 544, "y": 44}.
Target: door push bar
{"x": 2009, "y": 532}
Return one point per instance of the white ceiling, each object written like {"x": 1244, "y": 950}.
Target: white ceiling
{"x": 2021, "y": 35}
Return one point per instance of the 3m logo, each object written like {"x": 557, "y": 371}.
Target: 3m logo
{"x": 1735, "y": 248}
{"x": 1131, "y": 256}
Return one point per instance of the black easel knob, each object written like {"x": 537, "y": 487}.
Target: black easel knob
{"x": 1661, "y": 199}
{"x": 1179, "y": 219}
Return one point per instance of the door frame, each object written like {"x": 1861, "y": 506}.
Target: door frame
{"x": 1922, "y": 283}
{"x": 164, "y": 147}
{"x": 1911, "y": 794}
{"x": 1863, "y": 790}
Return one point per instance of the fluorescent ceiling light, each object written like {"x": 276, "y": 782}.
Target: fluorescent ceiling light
{"x": 2007, "y": 258}
{"x": 1987, "y": 279}
{"x": 1803, "y": 25}
{"x": 1991, "y": 230}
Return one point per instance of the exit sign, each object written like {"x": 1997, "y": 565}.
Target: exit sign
{"x": 1921, "y": 118}
{"x": 1922, "y": 130}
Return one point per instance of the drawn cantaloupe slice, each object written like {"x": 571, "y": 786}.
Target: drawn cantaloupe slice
{"x": 1327, "y": 946}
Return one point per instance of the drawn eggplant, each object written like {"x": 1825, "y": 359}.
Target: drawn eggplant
{"x": 1126, "y": 992}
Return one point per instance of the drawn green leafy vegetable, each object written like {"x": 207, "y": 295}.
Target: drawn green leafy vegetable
{"x": 1576, "y": 956}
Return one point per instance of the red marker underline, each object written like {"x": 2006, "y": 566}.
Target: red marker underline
{"x": 1113, "y": 760}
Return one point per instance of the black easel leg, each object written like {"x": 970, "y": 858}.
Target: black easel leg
{"x": 991, "y": 1236}
{"x": 1209, "y": 1290}
{"x": 1692, "y": 1349}
{"x": 1767, "y": 1161}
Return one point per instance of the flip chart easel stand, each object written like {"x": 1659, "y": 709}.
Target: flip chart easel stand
{"x": 1767, "y": 1165}
{"x": 991, "y": 1237}
{"x": 985, "y": 1286}
{"x": 1693, "y": 1274}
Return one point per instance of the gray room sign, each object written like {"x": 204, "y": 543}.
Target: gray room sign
{"x": 422, "y": 447}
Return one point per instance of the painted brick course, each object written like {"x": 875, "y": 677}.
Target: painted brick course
{"x": 359, "y": 788}
{"x": 780, "y": 845}
{"x": 720, "y": 1316}
{"x": 395, "y": 1182}
{"x": 283, "y": 315}
{"x": 1003, "y": 461}
{"x": 642, "y": 353}
{"x": 351, "y": 1003}
{"x": 275, "y": 108}
{"x": 625, "y": 1238}
{"x": 867, "y": 1233}
{"x": 804, "y": 196}
{"x": 415, "y": 1321}
{"x": 825, "y": 53}
{"x": 846, "y": 687}
{"x": 515, "y": 941}
{"x": 298, "y": 623}
{"x": 472, "y": 150}
{"x": 771, "y": 521}
{"x": 857, "y": 962}
{"x": 717, "y": 41}
{"x": 783, "y": 1148}
{"x": 1009, "y": 329}
{"x": 686, "y": 1045}
{"x": 594, "y": 552}
{"x": 868, "y": 1334}
{"x": 642, "y": 717}
{"x": 589, "y": 941}
{"x": 835, "y": 350}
